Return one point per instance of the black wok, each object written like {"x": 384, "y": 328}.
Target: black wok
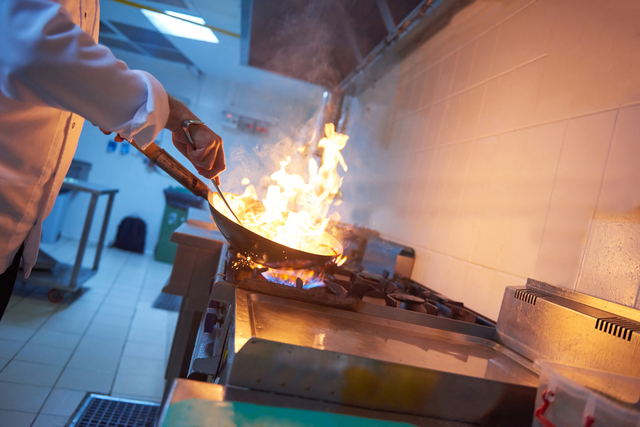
{"x": 254, "y": 246}
{"x": 267, "y": 252}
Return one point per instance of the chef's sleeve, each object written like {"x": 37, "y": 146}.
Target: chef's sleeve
{"x": 47, "y": 59}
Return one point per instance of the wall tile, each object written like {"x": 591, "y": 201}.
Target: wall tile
{"x": 456, "y": 175}
{"x": 417, "y": 133}
{"x": 478, "y": 282}
{"x": 620, "y": 189}
{"x": 502, "y": 185}
{"x": 541, "y": 146}
{"x": 592, "y": 63}
{"x": 474, "y": 196}
{"x": 480, "y": 70}
{"x": 495, "y": 106}
{"x": 427, "y": 95}
{"x": 524, "y": 85}
{"x": 523, "y": 37}
{"x": 434, "y": 114}
{"x": 446, "y": 77}
{"x": 444, "y": 274}
{"x": 415, "y": 87}
{"x": 431, "y": 231}
{"x": 463, "y": 69}
{"x": 611, "y": 267}
{"x": 574, "y": 198}
{"x": 469, "y": 111}
{"x": 449, "y": 121}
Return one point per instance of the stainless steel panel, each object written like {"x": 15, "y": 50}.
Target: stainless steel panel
{"x": 542, "y": 325}
{"x": 302, "y": 349}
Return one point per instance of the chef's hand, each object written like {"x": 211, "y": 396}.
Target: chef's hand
{"x": 207, "y": 153}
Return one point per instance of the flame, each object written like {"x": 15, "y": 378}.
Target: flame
{"x": 294, "y": 211}
{"x": 310, "y": 278}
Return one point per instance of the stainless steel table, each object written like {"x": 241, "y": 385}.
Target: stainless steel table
{"x": 66, "y": 277}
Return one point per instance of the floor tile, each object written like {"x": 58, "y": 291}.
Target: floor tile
{"x": 15, "y": 418}
{"x": 30, "y": 373}
{"x": 146, "y": 337}
{"x": 45, "y": 354}
{"x": 56, "y": 338}
{"x": 133, "y": 366}
{"x": 25, "y": 320}
{"x": 44, "y": 420}
{"x": 66, "y": 325}
{"x": 8, "y": 349}
{"x": 62, "y": 402}
{"x": 142, "y": 386}
{"x": 106, "y": 344}
{"x": 144, "y": 350}
{"x": 22, "y": 397}
{"x": 16, "y": 333}
{"x": 95, "y": 359}
{"x": 86, "y": 379}
{"x": 115, "y": 331}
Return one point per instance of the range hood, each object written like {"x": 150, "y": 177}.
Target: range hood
{"x": 337, "y": 44}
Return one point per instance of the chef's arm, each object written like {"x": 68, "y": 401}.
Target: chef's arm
{"x": 45, "y": 59}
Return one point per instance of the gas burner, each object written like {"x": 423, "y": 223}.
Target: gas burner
{"x": 406, "y": 302}
{"x": 355, "y": 284}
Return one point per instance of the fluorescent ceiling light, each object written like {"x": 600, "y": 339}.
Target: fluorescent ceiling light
{"x": 179, "y": 28}
{"x": 195, "y": 19}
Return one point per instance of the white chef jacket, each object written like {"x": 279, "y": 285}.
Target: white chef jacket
{"x": 52, "y": 74}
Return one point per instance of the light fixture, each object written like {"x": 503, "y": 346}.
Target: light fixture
{"x": 177, "y": 25}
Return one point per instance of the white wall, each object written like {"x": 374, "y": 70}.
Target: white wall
{"x": 140, "y": 188}
{"x": 507, "y": 146}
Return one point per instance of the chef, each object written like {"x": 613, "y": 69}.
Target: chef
{"x": 53, "y": 76}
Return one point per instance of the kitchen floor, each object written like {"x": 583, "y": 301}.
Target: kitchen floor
{"x": 106, "y": 339}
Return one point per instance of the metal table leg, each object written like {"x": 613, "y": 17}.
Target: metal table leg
{"x": 83, "y": 240}
{"x": 103, "y": 231}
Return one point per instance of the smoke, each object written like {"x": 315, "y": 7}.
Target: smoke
{"x": 302, "y": 45}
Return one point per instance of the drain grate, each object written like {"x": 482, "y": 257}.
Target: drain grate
{"x": 105, "y": 411}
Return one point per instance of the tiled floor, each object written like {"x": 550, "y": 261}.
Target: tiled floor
{"x": 106, "y": 339}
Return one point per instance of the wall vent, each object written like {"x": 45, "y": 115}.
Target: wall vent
{"x": 618, "y": 327}
{"x": 528, "y": 295}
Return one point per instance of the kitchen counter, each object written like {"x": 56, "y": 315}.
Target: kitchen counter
{"x": 271, "y": 405}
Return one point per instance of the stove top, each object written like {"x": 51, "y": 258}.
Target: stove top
{"x": 353, "y": 285}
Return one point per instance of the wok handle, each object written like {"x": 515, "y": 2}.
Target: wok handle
{"x": 175, "y": 169}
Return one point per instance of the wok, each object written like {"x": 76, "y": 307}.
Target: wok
{"x": 252, "y": 245}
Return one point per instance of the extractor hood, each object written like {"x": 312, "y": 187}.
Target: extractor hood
{"x": 337, "y": 43}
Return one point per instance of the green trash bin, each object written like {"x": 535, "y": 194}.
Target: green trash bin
{"x": 179, "y": 200}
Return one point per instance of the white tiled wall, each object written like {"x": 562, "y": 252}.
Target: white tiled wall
{"x": 509, "y": 149}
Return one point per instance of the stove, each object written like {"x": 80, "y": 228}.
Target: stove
{"x": 364, "y": 339}
{"x": 348, "y": 337}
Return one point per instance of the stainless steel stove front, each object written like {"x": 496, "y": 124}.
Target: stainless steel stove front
{"x": 363, "y": 355}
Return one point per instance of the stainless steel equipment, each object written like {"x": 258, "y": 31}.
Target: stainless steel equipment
{"x": 542, "y": 321}
{"x": 394, "y": 348}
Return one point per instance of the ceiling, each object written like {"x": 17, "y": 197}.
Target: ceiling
{"x": 125, "y": 29}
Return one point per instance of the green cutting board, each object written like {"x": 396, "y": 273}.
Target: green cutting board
{"x": 200, "y": 413}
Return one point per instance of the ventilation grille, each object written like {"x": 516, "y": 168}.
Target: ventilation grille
{"x": 107, "y": 411}
{"x": 143, "y": 41}
{"x": 527, "y": 295}
{"x": 618, "y": 327}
